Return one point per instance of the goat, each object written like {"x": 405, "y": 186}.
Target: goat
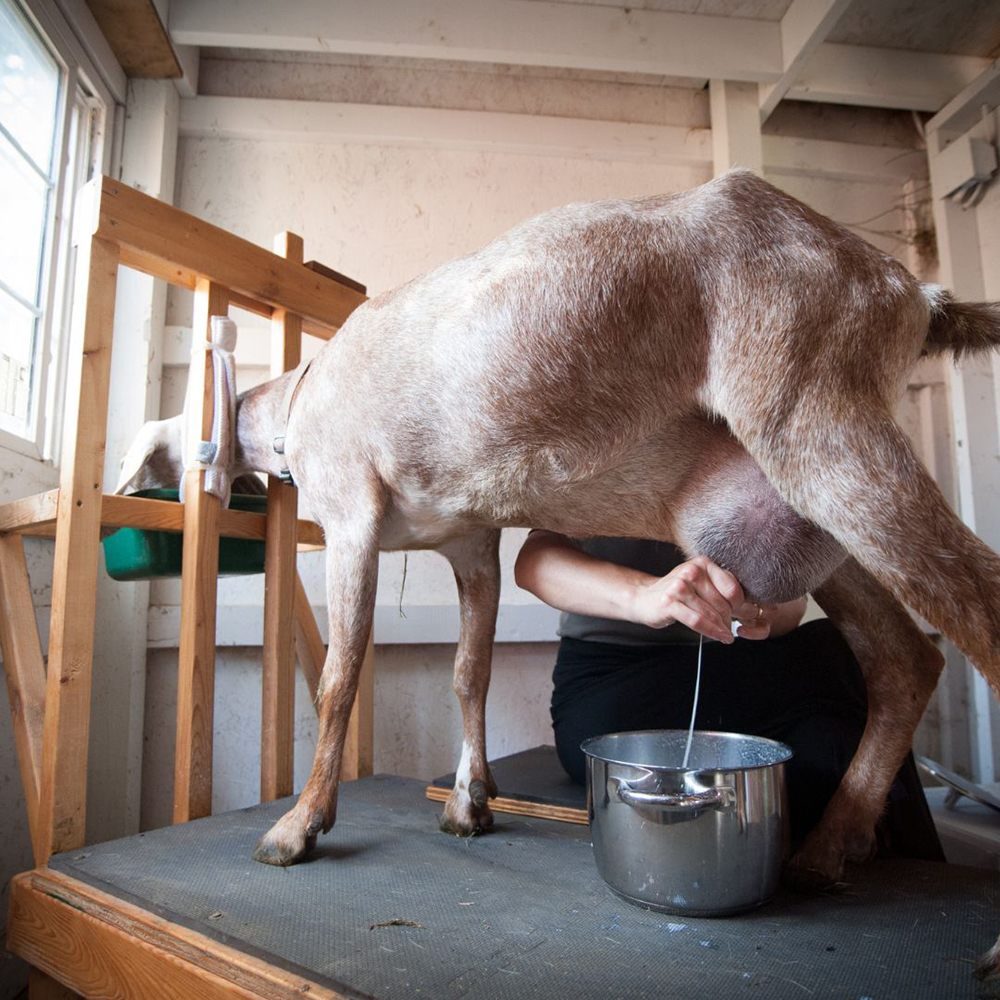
{"x": 682, "y": 368}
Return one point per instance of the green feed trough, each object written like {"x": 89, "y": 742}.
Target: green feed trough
{"x": 137, "y": 554}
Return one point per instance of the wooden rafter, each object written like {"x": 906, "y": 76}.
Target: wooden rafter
{"x": 620, "y": 39}
{"x": 803, "y": 28}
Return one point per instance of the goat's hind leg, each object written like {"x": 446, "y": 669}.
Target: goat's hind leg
{"x": 475, "y": 561}
{"x": 848, "y": 467}
{"x": 901, "y": 668}
{"x": 351, "y": 576}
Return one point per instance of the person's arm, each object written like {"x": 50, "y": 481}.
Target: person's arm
{"x": 696, "y": 593}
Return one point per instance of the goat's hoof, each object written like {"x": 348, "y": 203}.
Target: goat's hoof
{"x": 811, "y": 870}
{"x": 988, "y": 964}
{"x": 288, "y": 842}
{"x": 467, "y": 814}
{"x": 818, "y": 864}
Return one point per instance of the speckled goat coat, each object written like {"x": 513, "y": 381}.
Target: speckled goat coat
{"x": 717, "y": 369}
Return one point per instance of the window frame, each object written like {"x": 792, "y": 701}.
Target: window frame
{"x": 83, "y": 93}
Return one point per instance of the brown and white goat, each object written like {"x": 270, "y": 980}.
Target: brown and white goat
{"x": 718, "y": 369}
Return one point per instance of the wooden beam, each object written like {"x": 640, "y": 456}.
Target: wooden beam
{"x": 137, "y": 37}
{"x": 497, "y": 132}
{"x": 103, "y": 946}
{"x": 36, "y": 516}
{"x": 25, "y": 670}
{"x": 199, "y": 579}
{"x": 62, "y": 789}
{"x": 521, "y": 807}
{"x": 735, "y": 127}
{"x": 30, "y": 512}
{"x": 592, "y": 36}
{"x": 236, "y": 117}
{"x": 359, "y": 745}
{"x": 965, "y": 109}
{"x": 884, "y": 78}
{"x": 847, "y": 161}
{"x": 309, "y": 645}
{"x": 179, "y": 248}
{"x": 617, "y": 39}
{"x": 278, "y": 696}
{"x": 804, "y": 26}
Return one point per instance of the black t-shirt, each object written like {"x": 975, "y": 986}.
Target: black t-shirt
{"x": 655, "y": 558}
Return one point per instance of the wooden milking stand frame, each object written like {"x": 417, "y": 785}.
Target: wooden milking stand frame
{"x": 51, "y": 707}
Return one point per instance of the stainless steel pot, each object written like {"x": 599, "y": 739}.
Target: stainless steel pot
{"x": 705, "y": 840}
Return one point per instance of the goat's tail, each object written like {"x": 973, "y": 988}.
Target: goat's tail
{"x": 960, "y": 327}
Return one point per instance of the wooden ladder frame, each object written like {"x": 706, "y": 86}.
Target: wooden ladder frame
{"x": 51, "y": 707}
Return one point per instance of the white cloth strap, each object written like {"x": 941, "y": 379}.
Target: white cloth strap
{"x": 217, "y": 455}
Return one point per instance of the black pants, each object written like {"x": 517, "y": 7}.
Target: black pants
{"x": 804, "y": 688}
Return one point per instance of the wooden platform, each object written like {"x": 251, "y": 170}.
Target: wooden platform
{"x": 391, "y": 907}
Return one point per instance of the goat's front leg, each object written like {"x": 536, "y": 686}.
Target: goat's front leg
{"x": 901, "y": 668}
{"x": 351, "y": 576}
{"x": 475, "y": 560}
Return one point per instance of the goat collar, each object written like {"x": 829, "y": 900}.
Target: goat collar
{"x": 284, "y": 473}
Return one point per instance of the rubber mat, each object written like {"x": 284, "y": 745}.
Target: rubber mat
{"x": 521, "y": 913}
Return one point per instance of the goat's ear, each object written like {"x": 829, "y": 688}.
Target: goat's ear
{"x": 154, "y": 437}
{"x": 135, "y": 459}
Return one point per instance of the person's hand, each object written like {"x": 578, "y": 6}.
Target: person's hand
{"x": 703, "y": 596}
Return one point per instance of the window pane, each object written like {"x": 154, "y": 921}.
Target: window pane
{"x": 29, "y": 87}
{"x": 17, "y": 334}
{"x": 23, "y": 197}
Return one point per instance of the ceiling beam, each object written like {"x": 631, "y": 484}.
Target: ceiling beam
{"x": 498, "y": 132}
{"x": 884, "y": 78}
{"x": 590, "y": 37}
{"x": 965, "y": 109}
{"x": 319, "y": 122}
{"x": 803, "y": 29}
{"x": 522, "y": 32}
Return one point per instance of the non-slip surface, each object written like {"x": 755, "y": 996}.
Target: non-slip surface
{"x": 521, "y": 913}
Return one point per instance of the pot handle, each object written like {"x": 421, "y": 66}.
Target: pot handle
{"x": 714, "y": 796}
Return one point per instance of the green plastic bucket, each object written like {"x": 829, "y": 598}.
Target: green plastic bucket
{"x": 138, "y": 554}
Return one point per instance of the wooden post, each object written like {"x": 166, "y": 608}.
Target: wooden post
{"x": 975, "y": 402}
{"x": 278, "y": 695}
{"x": 308, "y": 642}
{"x": 25, "y": 669}
{"x": 199, "y": 580}
{"x": 63, "y": 783}
{"x": 359, "y": 747}
{"x": 736, "y": 138}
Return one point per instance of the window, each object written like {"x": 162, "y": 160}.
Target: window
{"x": 51, "y": 132}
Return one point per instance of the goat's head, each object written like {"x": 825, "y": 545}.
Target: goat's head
{"x": 155, "y": 458}
{"x": 155, "y": 461}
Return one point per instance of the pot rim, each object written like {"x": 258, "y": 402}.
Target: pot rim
{"x": 783, "y": 748}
